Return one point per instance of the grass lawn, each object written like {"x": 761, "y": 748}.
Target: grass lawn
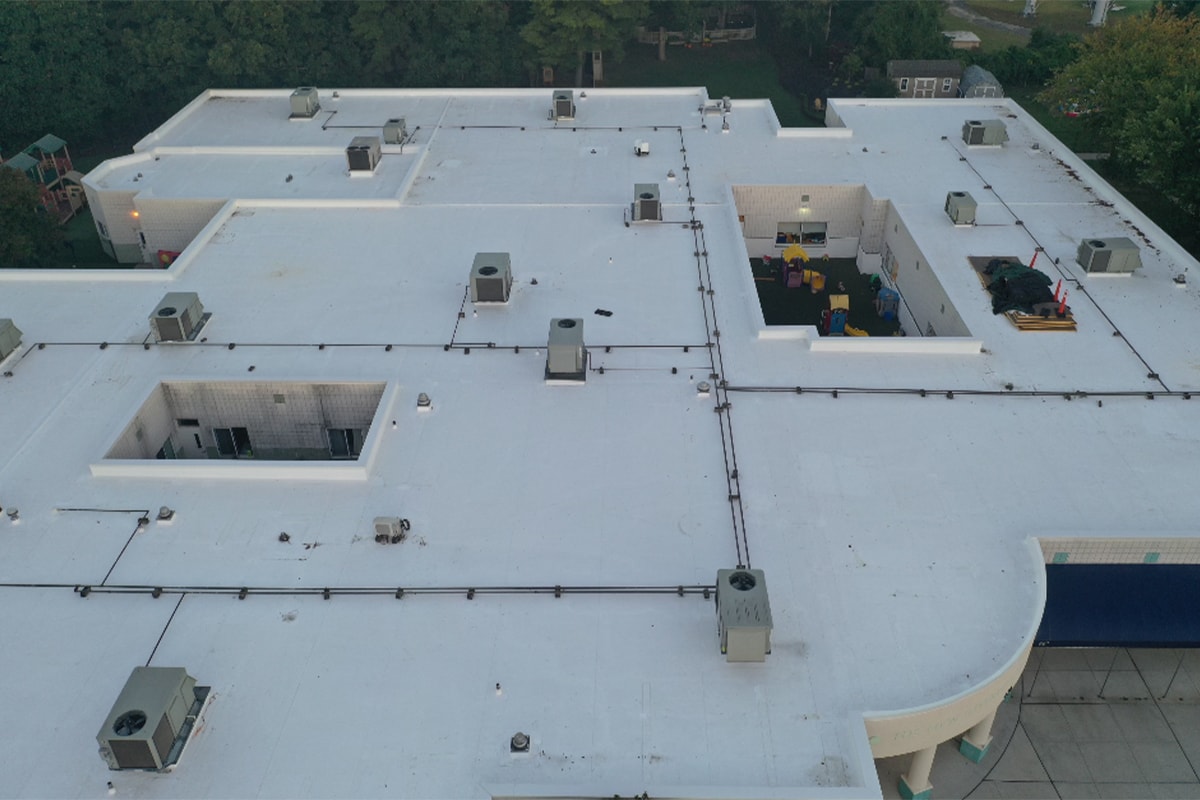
{"x": 84, "y": 251}
{"x": 990, "y": 40}
{"x": 1059, "y": 16}
{"x": 738, "y": 69}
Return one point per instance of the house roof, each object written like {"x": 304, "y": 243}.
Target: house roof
{"x": 975, "y": 75}
{"x": 935, "y": 68}
{"x": 563, "y": 537}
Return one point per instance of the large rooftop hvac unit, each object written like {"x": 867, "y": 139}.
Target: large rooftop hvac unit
{"x": 1118, "y": 255}
{"x": 395, "y": 131}
{"x": 960, "y": 207}
{"x": 566, "y": 357}
{"x": 743, "y": 614}
{"x": 984, "y": 132}
{"x": 177, "y": 318}
{"x": 363, "y": 154}
{"x": 10, "y": 338}
{"x": 149, "y": 714}
{"x": 305, "y": 102}
{"x": 647, "y": 204}
{"x": 563, "y": 104}
{"x": 491, "y": 278}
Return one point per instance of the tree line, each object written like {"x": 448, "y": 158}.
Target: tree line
{"x": 113, "y": 69}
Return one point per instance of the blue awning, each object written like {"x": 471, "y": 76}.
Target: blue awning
{"x": 1121, "y": 605}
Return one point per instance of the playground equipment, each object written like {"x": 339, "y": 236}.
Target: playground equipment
{"x": 887, "y": 302}
{"x": 792, "y": 252}
{"x": 833, "y": 319}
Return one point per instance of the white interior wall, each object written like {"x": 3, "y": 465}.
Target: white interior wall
{"x": 762, "y": 208}
{"x": 299, "y": 422}
{"x": 919, "y": 287}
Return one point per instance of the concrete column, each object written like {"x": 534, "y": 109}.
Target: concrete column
{"x": 914, "y": 784}
{"x": 974, "y": 743}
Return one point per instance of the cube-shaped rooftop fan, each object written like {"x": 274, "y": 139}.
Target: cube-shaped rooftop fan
{"x": 743, "y": 614}
{"x": 395, "y": 131}
{"x": 363, "y": 154}
{"x": 647, "y": 204}
{"x": 177, "y": 317}
{"x": 563, "y": 104}
{"x": 566, "y": 357}
{"x": 491, "y": 278}
{"x": 305, "y": 102}
{"x": 960, "y": 207}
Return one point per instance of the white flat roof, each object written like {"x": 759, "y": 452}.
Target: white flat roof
{"x": 893, "y": 527}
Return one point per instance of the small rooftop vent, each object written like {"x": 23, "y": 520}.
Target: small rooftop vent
{"x": 491, "y": 278}
{"x": 305, "y": 103}
{"x": 178, "y": 317}
{"x": 395, "y": 131}
{"x": 743, "y": 614}
{"x": 1114, "y": 256}
{"x": 566, "y": 357}
{"x": 363, "y": 154}
{"x": 646, "y": 202}
{"x": 563, "y": 104}
{"x": 149, "y": 715}
{"x": 960, "y": 208}
{"x": 990, "y": 132}
{"x": 10, "y": 338}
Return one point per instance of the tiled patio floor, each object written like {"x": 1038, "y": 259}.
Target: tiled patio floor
{"x": 1083, "y": 723}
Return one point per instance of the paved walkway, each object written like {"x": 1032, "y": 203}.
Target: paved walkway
{"x": 957, "y": 9}
{"x": 1084, "y": 723}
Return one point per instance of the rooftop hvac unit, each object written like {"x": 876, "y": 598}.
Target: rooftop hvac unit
{"x": 146, "y": 719}
{"x": 177, "y": 318}
{"x": 305, "y": 103}
{"x": 646, "y": 202}
{"x": 1114, "y": 256}
{"x": 563, "y": 105}
{"x": 491, "y": 278}
{"x": 363, "y": 154}
{"x": 395, "y": 131}
{"x": 566, "y": 357}
{"x": 10, "y": 338}
{"x": 960, "y": 207}
{"x": 984, "y": 132}
{"x": 743, "y": 614}
{"x": 390, "y": 530}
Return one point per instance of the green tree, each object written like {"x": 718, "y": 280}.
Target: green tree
{"x": 436, "y": 43}
{"x": 52, "y": 74}
{"x": 1138, "y": 82}
{"x": 805, "y": 25}
{"x": 891, "y": 30}
{"x": 29, "y": 237}
{"x": 562, "y": 31}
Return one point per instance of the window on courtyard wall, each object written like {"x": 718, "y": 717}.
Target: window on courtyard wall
{"x": 345, "y": 442}
{"x": 813, "y": 233}
{"x": 804, "y": 233}
{"x": 946, "y": 86}
{"x": 904, "y": 84}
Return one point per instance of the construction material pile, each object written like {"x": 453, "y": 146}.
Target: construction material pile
{"x": 1016, "y": 287}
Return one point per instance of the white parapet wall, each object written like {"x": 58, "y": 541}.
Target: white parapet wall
{"x": 894, "y": 733}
